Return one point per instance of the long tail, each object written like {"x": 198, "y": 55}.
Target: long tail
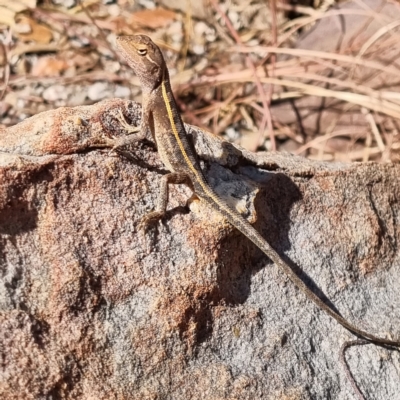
{"x": 247, "y": 229}
{"x": 241, "y": 224}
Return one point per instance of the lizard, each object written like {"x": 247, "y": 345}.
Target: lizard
{"x": 160, "y": 115}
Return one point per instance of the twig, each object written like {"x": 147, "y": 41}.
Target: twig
{"x": 264, "y": 99}
{"x": 6, "y": 46}
{"x": 349, "y": 375}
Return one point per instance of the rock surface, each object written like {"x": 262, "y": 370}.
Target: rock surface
{"x": 94, "y": 308}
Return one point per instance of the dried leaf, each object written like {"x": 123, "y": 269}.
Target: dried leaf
{"x": 7, "y": 16}
{"x": 17, "y": 6}
{"x": 9, "y": 9}
{"x": 37, "y": 33}
{"x": 191, "y": 7}
{"x": 157, "y": 18}
{"x": 49, "y": 66}
{"x": 81, "y": 62}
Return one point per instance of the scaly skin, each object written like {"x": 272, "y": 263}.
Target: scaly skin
{"x": 161, "y": 116}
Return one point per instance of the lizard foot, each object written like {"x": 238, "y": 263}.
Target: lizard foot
{"x": 114, "y": 143}
{"x": 129, "y": 128}
{"x": 150, "y": 219}
{"x": 117, "y": 142}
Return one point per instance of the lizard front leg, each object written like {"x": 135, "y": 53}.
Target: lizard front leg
{"x": 173, "y": 178}
{"x": 135, "y": 133}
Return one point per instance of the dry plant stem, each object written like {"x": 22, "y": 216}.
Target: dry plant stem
{"x": 297, "y": 71}
{"x": 215, "y": 106}
{"x": 296, "y": 8}
{"x": 368, "y": 143}
{"x": 375, "y": 130}
{"x": 103, "y": 36}
{"x": 274, "y": 34}
{"x": 69, "y": 18}
{"x": 321, "y": 54}
{"x": 346, "y": 368}
{"x": 267, "y": 113}
{"x": 340, "y": 84}
{"x": 384, "y": 102}
{"x": 187, "y": 28}
{"x": 324, "y": 138}
{"x": 6, "y": 47}
{"x": 374, "y": 16}
{"x": 382, "y": 106}
{"x": 215, "y": 116}
{"x": 191, "y": 115}
{"x": 88, "y": 77}
{"x": 299, "y": 23}
{"x": 383, "y": 31}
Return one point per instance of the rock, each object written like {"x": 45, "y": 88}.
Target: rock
{"x": 94, "y": 308}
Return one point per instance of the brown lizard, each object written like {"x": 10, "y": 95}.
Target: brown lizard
{"x": 161, "y": 117}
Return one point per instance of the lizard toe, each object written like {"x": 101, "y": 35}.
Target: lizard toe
{"x": 150, "y": 219}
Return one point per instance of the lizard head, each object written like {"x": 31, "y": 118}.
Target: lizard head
{"x": 145, "y": 58}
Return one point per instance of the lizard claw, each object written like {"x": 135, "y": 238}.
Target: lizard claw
{"x": 129, "y": 128}
{"x": 117, "y": 142}
{"x": 112, "y": 143}
{"x": 109, "y": 141}
{"x": 150, "y": 219}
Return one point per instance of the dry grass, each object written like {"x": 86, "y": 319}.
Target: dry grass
{"x": 243, "y": 72}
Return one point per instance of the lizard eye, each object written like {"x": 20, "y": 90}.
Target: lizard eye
{"x": 142, "y": 52}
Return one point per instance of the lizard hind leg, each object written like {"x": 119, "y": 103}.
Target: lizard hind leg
{"x": 173, "y": 178}
{"x": 194, "y": 197}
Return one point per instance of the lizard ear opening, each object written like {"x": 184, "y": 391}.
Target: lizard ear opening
{"x": 155, "y": 70}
